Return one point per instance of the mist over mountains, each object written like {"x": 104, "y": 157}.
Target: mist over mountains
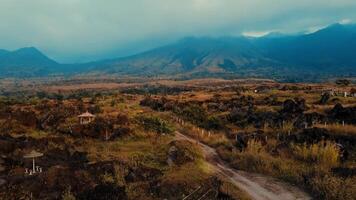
{"x": 326, "y": 53}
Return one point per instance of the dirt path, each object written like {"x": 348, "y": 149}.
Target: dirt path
{"x": 259, "y": 187}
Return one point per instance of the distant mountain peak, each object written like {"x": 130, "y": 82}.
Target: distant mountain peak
{"x": 29, "y": 50}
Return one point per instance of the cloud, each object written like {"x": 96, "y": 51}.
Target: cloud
{"x": 79, "y": 30}
{"x": 256, "y": 33}
{"x": 345, "y": 21}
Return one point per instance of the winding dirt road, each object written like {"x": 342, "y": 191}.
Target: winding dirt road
{"x": 259, "y": 187}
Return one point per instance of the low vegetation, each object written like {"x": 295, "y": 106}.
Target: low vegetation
{"x": 129, "y": 150}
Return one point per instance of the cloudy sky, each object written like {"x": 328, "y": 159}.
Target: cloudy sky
{"x": 82, "y": 30}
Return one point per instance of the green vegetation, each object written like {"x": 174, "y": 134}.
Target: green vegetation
{"x": 155, "y": 124}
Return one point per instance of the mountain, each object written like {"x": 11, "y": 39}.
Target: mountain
{"x": 329, "y": 52}
{"x": 191, "y": 55}
{"x": 25, "y": 62}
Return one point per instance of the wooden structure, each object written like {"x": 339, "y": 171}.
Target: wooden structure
{"x": 86, "y": 118}
{"x": 35, "y": 169}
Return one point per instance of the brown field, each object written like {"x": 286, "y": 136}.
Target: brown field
{"x": 278, "y": 131}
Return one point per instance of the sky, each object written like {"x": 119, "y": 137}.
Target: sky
{"x": 85, "y": 30}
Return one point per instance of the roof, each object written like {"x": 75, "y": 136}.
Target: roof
{"x": 33, "y": 154}
{"x": 86, "y": 114}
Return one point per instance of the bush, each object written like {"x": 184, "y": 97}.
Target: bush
{"x": 213, "y": 123}
{"x": 155, "y": 124}
{"x": 67, "y": 194}
{"x": 195, "y": 114}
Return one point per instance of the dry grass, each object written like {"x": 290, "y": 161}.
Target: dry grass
{"x": 148, "y": 151}
{"x": 192, "y": 172}
{"x": 326, "y": 154}
{"x": 254, "y": 147}
{"x": 214, "y": 139}
{"x": 339, "y": 129}
{"x": 287, "y": 127}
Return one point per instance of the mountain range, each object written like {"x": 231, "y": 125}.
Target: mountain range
{"x": 328, "y": 52}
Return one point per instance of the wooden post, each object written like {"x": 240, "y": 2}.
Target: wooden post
{"x": 33, "y": 165}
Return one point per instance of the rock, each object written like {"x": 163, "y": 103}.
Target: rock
{"x": 2, "y": 168}
{"x": 292, "y": 107}
{"x": 324, "y": 98}
{"x": 179, "y": 153}
{"x": 7, "y": 146}
{"x": 142, "y": 173}
{"x": 2, "y": 182}
{"x": 339, "y": 113}
{"x": 172, "y": 155}
{"x": 311, "y": 136}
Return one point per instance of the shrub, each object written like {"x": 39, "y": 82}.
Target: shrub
{"x": 331, "y": 187}
{"x": 155, "y": 124}
{"x": 107, "y": 178}
{"x": 343, "y": 82}
{"x": 67, "y": 194}
{"x": 213, "y": 123}
{"x": 195, "y": 114}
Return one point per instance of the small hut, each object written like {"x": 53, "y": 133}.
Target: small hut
{"x": 86, "y": 118}
{"x": 32, "y": 155}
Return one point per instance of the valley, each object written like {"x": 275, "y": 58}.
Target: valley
{"x": 169, "y": 139}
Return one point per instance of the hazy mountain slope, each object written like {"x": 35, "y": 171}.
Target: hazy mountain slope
{"x": 193, "y": 55}
{"x": 26, "y": 62}
{"x": 330, "y": 49}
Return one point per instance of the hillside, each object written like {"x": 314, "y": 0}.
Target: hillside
{"x": 26, "y": 62}
{"x": 331, "y": 49}
{"x": 329, "y": 52}
{"x": 193, "y": 55}
{"x": 325, "y": 53}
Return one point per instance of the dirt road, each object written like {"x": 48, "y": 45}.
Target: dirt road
{"x": 259, "y": 187}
